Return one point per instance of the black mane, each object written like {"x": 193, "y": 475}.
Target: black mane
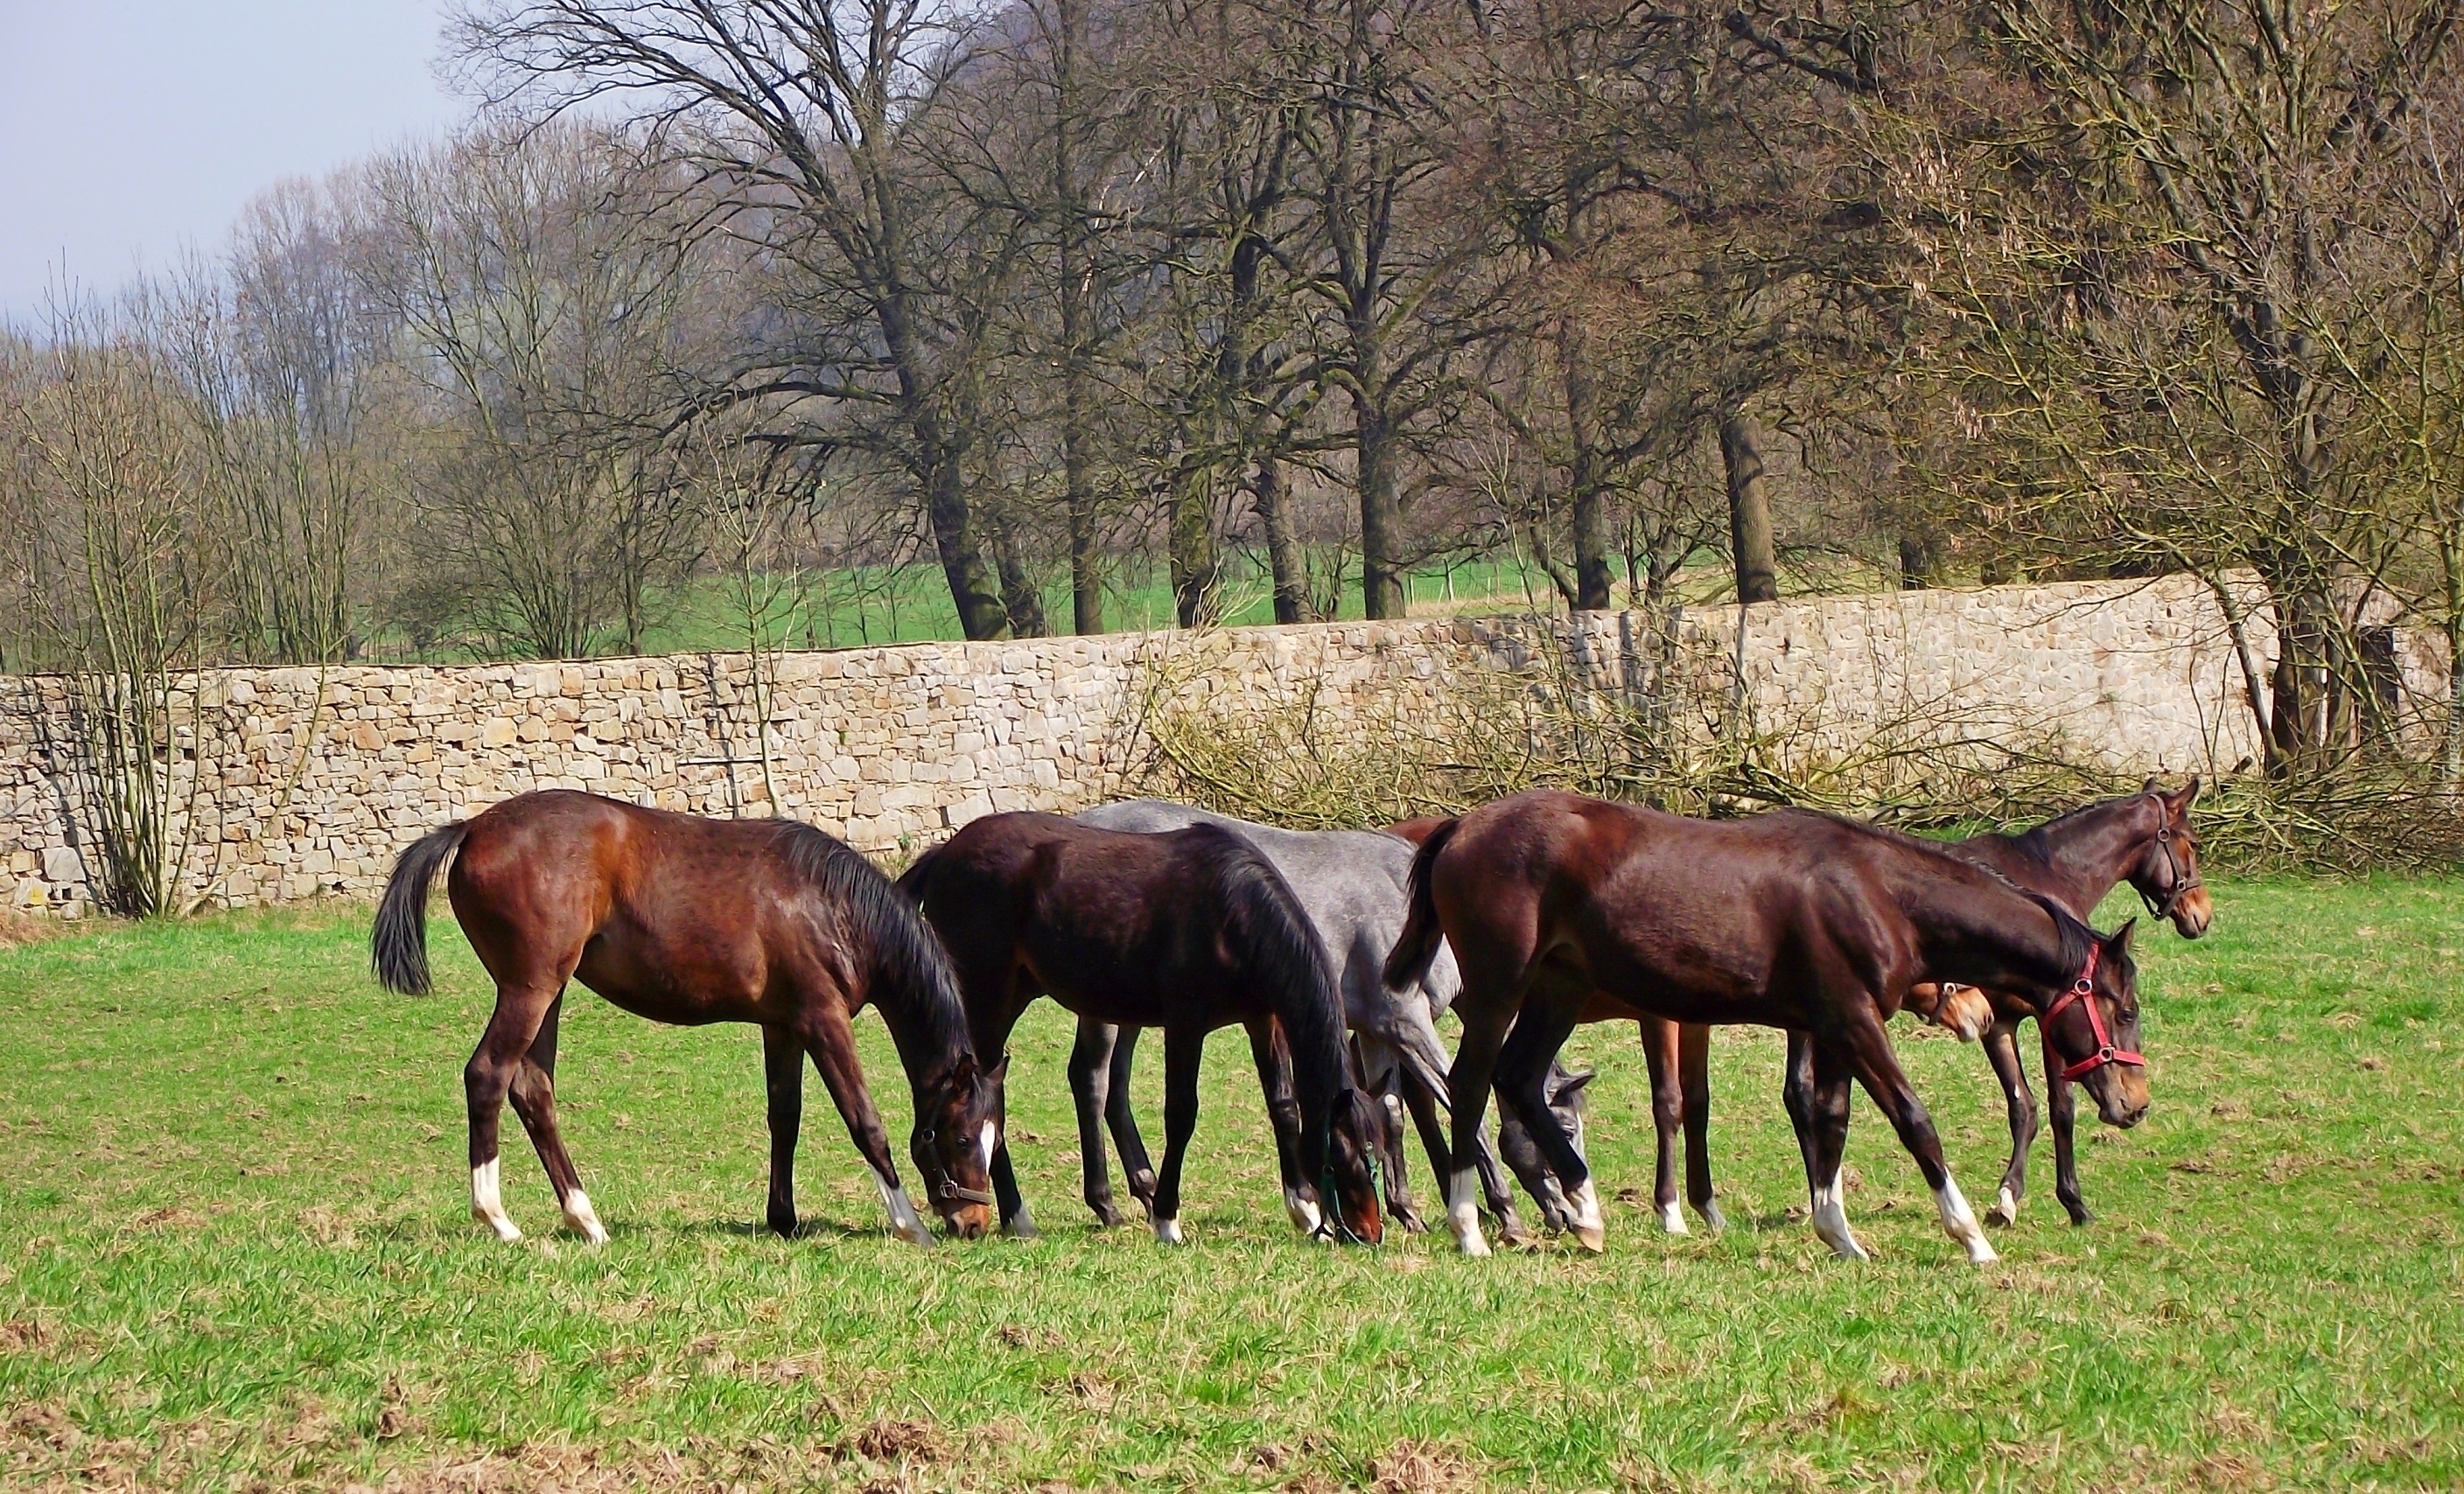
{"x": 891, "y": 942}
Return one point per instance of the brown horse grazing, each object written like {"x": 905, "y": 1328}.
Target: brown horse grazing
{"x": 687, "y": 920}
{"x": 1187, "y": 929}
{"x": 1790, "y": 920}
{"x": 2145, "y": 839}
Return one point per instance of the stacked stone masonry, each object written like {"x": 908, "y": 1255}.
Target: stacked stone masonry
{"x": 314, "y": 780}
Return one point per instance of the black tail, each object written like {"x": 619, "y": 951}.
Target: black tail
{"x": 397, "y": 947}
{"x": 1418, "y": 944}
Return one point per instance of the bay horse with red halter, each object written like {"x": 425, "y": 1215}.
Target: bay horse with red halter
{"x": 687, "y": 920}
{"x": 1792, "y": 920}
{"x": 2145, "y": 839}
{"x": 1187, "y": 930}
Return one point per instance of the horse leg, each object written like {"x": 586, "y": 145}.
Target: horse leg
{"x": 1660, "y": 1052}
{"x": 1090, "y": 1081}
{"x": 532, "y": 1092}
{"x": 1007, "y": 1201}
{"x": 1694, "y": 1078}
{"x": 782, "y": 1074}
{"x": 1868, "y": 1046}
{"x": 1522, "y": 1073}
{"x": 1468, "y": 1089}
{"x": 1796, "y": 1096}
{"x": 832, "y": 1043}
{"x": 489, "y": 1076}
{"x": 1135, "y": 1166}
{"x": 2002, "y": 1051}
{"x": 1182, "y": 1048}
{"x": 1384, "y": 1078}
{"x": 2061, "y": 1107}
{"x": 1822, "y": 1100}
{"x": 1274, "y": 1061}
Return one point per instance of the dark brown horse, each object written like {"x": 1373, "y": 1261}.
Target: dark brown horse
{"x": 1790, "y": 920}
{"x": 2145, "y": 839}
{"x": 1184, "y": 930}
{"x": 687, "y": 920}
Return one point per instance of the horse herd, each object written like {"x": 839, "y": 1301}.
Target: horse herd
{"x": 1336, "y": 951}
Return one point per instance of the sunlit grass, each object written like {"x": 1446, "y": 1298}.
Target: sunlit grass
{"x": 233, "y": 1251}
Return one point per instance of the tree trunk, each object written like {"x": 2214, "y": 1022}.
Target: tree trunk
{"x": 981, "y": 612}
{"x": 1587, "y": 487}
{"x": 1284, "y": 557}
{"x": 1194, "y": 567}
{"x": 1749, "y": 521}
{"x": 1022, "y": 598}
{"x": 1916, "y": 563}
{"x": 1381, "y": 512}
{"x": 1077, "y": 407}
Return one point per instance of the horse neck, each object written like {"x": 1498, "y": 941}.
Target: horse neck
{"x": 927, "y": 1026}
{"x": 2090, "y": 853}
{"x": 1984, "y": 934}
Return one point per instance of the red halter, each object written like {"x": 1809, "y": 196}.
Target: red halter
{"x": 2083, "y": 990}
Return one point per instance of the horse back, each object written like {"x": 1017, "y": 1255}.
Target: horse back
{"x": 677, "y": 918}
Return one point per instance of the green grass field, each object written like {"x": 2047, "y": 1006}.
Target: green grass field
{"x": 235, "y": 1253}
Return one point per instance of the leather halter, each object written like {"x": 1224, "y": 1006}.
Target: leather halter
{"x": 946, "y": 1187}
{"x": 2083, "y": 990}
{"x": 2180, "y": 886}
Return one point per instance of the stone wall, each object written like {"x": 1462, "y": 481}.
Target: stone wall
{"x": 307, "y": 782}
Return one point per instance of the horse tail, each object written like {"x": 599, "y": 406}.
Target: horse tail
{"x": 1416, "y": 946}
{"x": 398, "y": 945}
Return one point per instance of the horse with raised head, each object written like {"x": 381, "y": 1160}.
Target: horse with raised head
{"x": 1792, "y": 920}
{"x": 687, "y": 920}
{"x": 2143, "y": 838}
{"x": 1187, "y": 930}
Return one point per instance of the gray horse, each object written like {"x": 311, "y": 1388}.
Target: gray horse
{"x": 1353, "y": 885}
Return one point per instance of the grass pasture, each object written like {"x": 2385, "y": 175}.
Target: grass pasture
{"x": 235, "y": 1253}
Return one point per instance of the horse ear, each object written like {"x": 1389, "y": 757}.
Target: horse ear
{"x": 2149, "y": 786}
{"x": 1571, "y": 1087}
{"x": 2186, "y": 796}
{"x": 2118, "y": 942}
{"x": 997, "y": 1074}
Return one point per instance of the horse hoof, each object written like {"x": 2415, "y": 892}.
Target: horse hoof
{"x": 1979, "y": 1253}
{"x": 1712, "y": 1218}
{"x": 1301, "y": 1211}
{"x": 1167, "y": 1232}
{"x": 2005, "y": 1211}
{"x": 506, "y": 1229}
{"x": 2081, "y": 1216}
{"x": 584, "y": 1219}
{"x": 920, "y": 1236}
{"x": 1591, "y": 1238}
{"x": 783, "y": 1225}
{"x": 1472, "y": 1245}
{"x": 1021, "y": 1226}
{"x": 1672, "y": 1219}
{"x": 1108, "y": 1216}
{"x": 1410, "y": 1223}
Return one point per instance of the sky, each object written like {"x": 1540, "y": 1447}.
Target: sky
{"x": 131, "y": 130}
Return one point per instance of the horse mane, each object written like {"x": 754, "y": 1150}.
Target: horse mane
{"x": 896, "y": 948}
{"x": 1281, "y": 945}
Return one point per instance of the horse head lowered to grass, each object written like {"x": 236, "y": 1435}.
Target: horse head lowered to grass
{"x": 687, "y": 920}
{"x": 1794, "y": 920}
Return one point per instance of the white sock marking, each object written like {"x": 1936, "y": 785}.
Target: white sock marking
{"x": 2006, "y": 1206}
{"x": 1589, "y": 1228}
{"x": 903, "y": 1222}
{"x": 488, "y": 1204}
{"x": 1167, "y": 1232}
{"x": 1672, "y": 1219}
{"x": 1830, "y": 1222}
{"x": 1463, "y": 1212}
{"x": 1302, "y": 1210}
{"x": 1961, "y": 1224}
{"x": 583, "y": 1219}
